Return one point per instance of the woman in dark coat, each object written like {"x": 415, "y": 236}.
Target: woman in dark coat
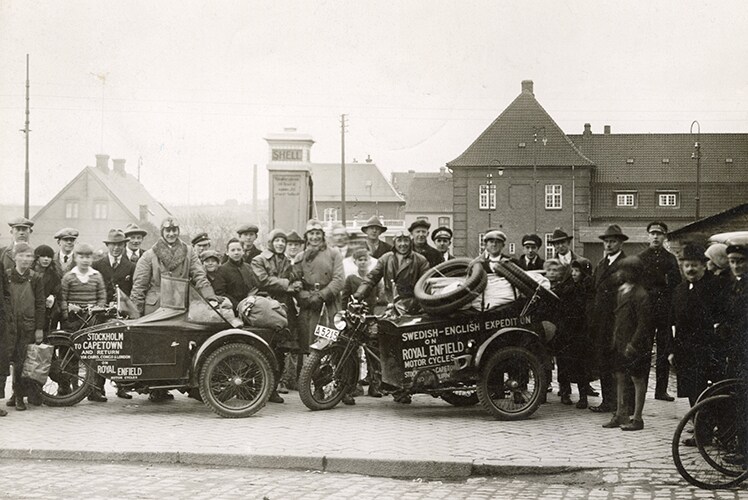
{"x": 52, "y": 286}
{"x": 235, "y": 278}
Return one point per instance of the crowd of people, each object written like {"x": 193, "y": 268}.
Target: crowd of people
{"x": 694, "y": 309}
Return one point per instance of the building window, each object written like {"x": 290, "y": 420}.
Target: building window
{"x": 443, "y": 221}
{"x": 422, "y": 217}
{"x": 71, "y": 210}
{"x": 553, "y": 196}
{"x": 487, "y": 197}
{"x": 100, "y": 210}
{"x": 331, "y": 215}
{"x": 512, "y": 248}
{"x": 669, "y": 200}
{"x": 480, "y": 242}
{"x": 549, "y": 250}
{"x": 626, "y": 199}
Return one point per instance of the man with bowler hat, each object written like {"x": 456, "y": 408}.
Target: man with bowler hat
{"x": 661, "y": 276}
{"x": 442, "y": 238}
{"x": 419, "y": 231}
{"x": 602, "y": 315}
{"x": 135, "y": 237}
{"x": 530, "y": 260}
{"x": 373, "y": 229}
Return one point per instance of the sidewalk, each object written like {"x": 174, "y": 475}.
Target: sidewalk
{"x": 428, "y": 438}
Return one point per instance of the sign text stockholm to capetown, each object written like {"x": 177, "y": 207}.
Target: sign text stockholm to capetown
{"x": 435, "y": 346}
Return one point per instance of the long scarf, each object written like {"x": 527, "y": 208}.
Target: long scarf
{"x": 171, "y": 257}
{"x": 310, "y": 253}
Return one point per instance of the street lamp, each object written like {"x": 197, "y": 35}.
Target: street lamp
{"x": 697, "y": 156}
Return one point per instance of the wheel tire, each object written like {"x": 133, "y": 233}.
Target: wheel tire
{"x": 230, "y": 374}
{"x": 317, "y": 376}
{"x": 505, "y": 398}
{"x": 727, "y": 386}
{"x": 696, "y": 463}
{"x": 461, "y": 398}
{"x": 475, "y": 283}
{"x": 523, "y": 282}
{"x": 67, "y": 367}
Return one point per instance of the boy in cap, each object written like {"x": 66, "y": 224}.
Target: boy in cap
{"x": 211, "y": 261}
{"x": 530, "y": 260}
{"x": 419, "y": 231}
{"x": 82, "y": 286}
{"x": 661, "y": 276}
{"x": 247, "y": 235}
{"x": 63, "y": 258}
{"x": 373, "y": 229}
{"x": 442, "y": 238}
{"x": 135, "y": 237}
{"x": 294, "y": 245}
{"x": 25, "y": 301}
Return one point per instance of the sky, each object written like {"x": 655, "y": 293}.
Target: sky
{"x": 189, "y": 89}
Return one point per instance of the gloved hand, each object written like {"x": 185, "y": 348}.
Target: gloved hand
{"x": 358, "y": 296}
{"x": 315, "y": 299}
{"x": 303, "y": 297}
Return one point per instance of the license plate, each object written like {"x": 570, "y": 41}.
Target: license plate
{"x": 326, "y": 333}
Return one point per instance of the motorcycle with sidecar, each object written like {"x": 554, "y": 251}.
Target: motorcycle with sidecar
{"x": 187, "y": 345}
{"x": 495, "y": 356}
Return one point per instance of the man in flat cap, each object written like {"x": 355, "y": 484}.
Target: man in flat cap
{"x": 661, "y": 276}
{"x": 530, "y": 260}
{"x": 200, "y": 243}
{"x": 735, "y": 318}
{"x": 135, "y": 236}
{"x": 20, "y": 232}
{"x": 696, "y": 306}
{"x": 602, "y": 315}
{"x": 442, "y": 238}
{"x": 373, "y": 229}
{"x": 63, "y": 259}
{"x": 493, "y": 241}
{"x": 419, "y": 232}
{"x": 247, "y": 235}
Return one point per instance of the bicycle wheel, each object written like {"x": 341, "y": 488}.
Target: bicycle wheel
{"x": 711, "y": 464}
{"x": 727, "y": 386}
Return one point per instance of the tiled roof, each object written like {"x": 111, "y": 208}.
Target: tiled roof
{"x": 363, "y": 182}
{"x": 430, "y": 193}
{"x": 740, "y": 209}
{"x": 500, "y": 143}
{"x": 130, "y": 193}
{"x": 659, "y": 156}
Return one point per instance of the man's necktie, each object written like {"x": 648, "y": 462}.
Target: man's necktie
{"x": 116, "y": 263}
{"x": 65, "y": 259}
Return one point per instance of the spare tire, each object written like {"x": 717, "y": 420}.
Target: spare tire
{"x": 475, "y": 283}
{"x": 524, "y": 282}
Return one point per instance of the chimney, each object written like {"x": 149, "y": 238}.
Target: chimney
{"x": 527, "y": 87}
{"x": 606, "y": 130}
{"x": 368, "y": 159}
{"x": 442, "y": 173}
{"x": 102, "y": 163}
{"x": 587, "y": 129}
{"x": 119, "y": 167}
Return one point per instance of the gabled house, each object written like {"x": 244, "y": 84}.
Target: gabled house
{"x": 98, "y": 199}
{"x": 429, "y": 197}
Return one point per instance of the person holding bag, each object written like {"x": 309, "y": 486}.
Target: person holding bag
{"x": 25, "y": 308}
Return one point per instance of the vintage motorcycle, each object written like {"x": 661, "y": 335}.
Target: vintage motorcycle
{"x": 497, "y": 356}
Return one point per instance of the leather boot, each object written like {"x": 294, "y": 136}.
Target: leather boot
{"x": 11, "y": 400}
{"x": 3, "y": 380}
{"x": 20, "y": 405}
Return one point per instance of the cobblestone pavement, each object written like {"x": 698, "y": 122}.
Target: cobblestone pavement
{"x": 380, "y": 436}
{"x": 67, "y": 479}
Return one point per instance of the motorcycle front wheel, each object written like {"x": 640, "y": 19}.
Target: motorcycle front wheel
{"x": 327, "y": 376}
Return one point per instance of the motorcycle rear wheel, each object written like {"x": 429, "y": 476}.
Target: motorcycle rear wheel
{"x": 67, "y": 371}
{"x": 325, "y": 378}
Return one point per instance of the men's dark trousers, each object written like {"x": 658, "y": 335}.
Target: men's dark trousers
{"x": 664, "y": 340}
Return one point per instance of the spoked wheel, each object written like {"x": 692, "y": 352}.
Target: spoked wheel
{"x": 326, "y": 377}
{"x": 70, "y": 379}
{"x": 727, "y": 386}
{"x": 461, "y": 398}
{"x": 511, "y": 383}
{"x": 236, "y": 380}
{"x": 716, "y": 457}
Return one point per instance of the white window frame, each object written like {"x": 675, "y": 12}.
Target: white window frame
{"x": 553, "y": 197}
{"x": 664, "y": 196}
{"x": 512, "y": 248}
{"x": 443, "y": 221}
{"x": 550, "y": 252}
{"x": 71, "y": 209}
{"x": 622, "y": 200}
{"x": 101, "y": 210}
{"x": 487, "y": 197}
{"x": 480, "y": 243}
{"x": 330, "y": 214}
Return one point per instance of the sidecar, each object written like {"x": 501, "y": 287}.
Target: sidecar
{"x": 185, "y": 345}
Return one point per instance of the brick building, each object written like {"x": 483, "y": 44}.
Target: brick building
{"x": 524, "y": 174}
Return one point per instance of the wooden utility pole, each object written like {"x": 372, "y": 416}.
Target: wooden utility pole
{"x": 342, "y": 168}
{"x": 26, "y": 132}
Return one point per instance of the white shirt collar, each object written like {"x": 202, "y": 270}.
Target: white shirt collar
{"x": 612, "y": 258}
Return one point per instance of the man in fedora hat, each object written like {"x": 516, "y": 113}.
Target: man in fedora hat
{"x": 135, "y": 236}
{"x": 373, "y": 229}
{"x": 602, "y": 315}
{"x": 530, "y": 260}
{"x": 115, "y": 267}
{"x": 20, "y": 232}
{"x": 442, "y": 238}
{"x": 561, "y": 242}
{"x": 63, "y": 257}
{"x": 419, "y": 232}
{"x": 696, "y": 306}
{"x": 661, "y": 276}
